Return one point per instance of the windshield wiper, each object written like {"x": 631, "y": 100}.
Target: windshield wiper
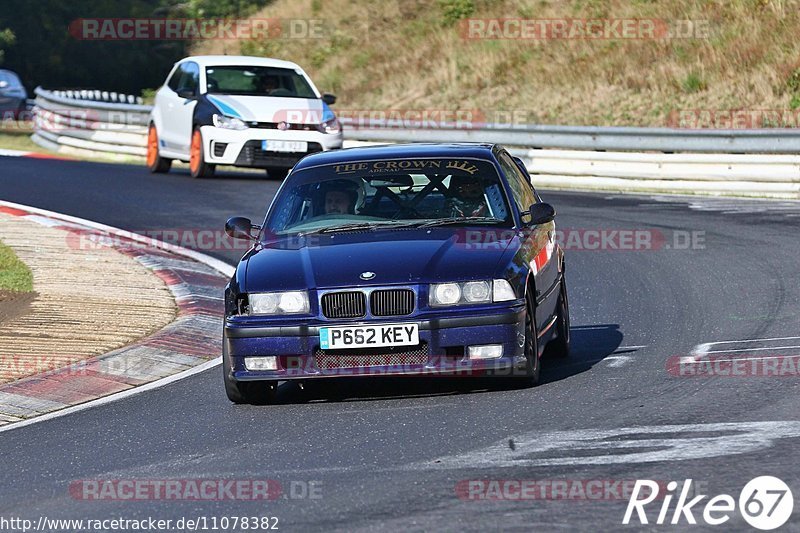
{"x": 342, "y": 227}
{"x": 458, "y": 220}
{"x": 395, "y": 224}
{"x": 357, "y": 226}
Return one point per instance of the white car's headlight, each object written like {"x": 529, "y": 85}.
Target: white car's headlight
{"x": 470, "y": 292}
{"x": 331, "y": 126}
{"x": 278, "y": 303}
{"x": 228, "y": 123}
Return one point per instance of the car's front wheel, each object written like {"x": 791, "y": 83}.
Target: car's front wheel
{"x": 533, "y": 364}
{"x": 559, "y": 347}
{"x": 245, "y": 392}
{"x": 197, "y": 157}
{"x": 155, "y": 163}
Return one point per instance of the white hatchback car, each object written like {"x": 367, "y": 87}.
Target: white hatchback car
{"x": 242, "y": 111}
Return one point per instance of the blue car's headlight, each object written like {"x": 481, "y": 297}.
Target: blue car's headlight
{"x": 278, "y": 303}
{"x": 470, "y": 292}
{"x": 228, "y": 123}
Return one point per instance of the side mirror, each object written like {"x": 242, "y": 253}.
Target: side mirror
{"x": 186, "y": 93}
{"x": 240, "y": 228}
{"x": 541, "y": 213}
{"x": 329, "y": 98}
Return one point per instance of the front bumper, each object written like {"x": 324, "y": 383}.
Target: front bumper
{"x": 243, "y": 147}
{"x": 442, "y": 349}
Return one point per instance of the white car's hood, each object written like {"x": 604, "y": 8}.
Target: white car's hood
{"x": 271, "y": 108}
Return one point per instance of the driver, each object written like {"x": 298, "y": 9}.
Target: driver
{"x": 468, "y": 198}
{"x": 340, "y": 198}
{"x": 267, "y": 84}
{"x": 339, "y": 203}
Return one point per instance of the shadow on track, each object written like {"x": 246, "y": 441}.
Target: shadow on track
{"x": 590, "y": 345}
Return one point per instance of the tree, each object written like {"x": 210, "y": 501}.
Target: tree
{"x": 7, "y": 40}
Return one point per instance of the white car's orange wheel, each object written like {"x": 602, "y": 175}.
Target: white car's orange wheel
{"x": 155, "y": 163}
{"x": 197, "y": 164}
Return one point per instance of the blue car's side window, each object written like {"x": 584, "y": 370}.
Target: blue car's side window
{"x": 283, "y": 217}
{"x": 497, "y": 204}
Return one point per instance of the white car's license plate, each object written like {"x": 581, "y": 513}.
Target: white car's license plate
{"x": 377, "y": 336}
{"x": 284, "y": 146}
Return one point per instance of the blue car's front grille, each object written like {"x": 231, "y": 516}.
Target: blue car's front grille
{"x": 392, "y": 302}
{"x": 350, "y": 304}
{"x": 366, "y": 357}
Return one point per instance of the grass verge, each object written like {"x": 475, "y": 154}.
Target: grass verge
{"x": 15, "y": 276}
{"x": 19, "y": 140}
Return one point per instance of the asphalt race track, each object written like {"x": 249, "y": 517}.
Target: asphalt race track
{"x": 390, "y": 453}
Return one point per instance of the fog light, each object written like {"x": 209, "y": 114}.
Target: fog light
{"x": 261, "y": 363}
{"x": 485, "y": 351}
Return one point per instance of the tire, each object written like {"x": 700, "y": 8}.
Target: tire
{"x": 533, "y": 364}
{"x": 155, "y": 163}
{"x": 559, "y": 347}
{"x": 245, "y": 392}
{"x": 197, "y": 158}
{"x": 277, "y": 173}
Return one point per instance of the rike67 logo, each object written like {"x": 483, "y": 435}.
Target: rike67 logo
{"x": 765, "y": 503}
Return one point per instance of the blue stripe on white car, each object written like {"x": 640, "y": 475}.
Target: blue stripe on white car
{"x": 327, "y": 114}
{"x": 225, "y": 108}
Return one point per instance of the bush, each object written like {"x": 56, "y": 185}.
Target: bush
{"x": 793, "y": 82}
{"x": 693, "y": 83}
{"x": 455, "y": 10}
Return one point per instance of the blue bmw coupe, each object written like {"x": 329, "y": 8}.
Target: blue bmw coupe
{"x": 417, "y": 259}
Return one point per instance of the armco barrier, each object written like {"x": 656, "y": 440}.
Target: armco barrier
{"x": 743, "y": 162}
{"x": 70, "y": 123}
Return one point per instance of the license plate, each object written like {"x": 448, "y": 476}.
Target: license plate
{"x": 378, "y": 336}
{"x": 284, "y": 146}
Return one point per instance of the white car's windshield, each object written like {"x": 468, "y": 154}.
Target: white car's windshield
{"x": 257, "y": 81}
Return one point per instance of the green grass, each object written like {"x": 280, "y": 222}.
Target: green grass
{"x": 14, "y": 275}
{"x": 17, "y": 140}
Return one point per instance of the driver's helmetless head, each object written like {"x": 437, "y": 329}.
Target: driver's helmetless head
{"x": 338, "y": 203}
{"x": 269, "y": 83}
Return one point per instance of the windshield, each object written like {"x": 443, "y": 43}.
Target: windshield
{"x": 257, "y": 81}
{"x": 413, "y": 192}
